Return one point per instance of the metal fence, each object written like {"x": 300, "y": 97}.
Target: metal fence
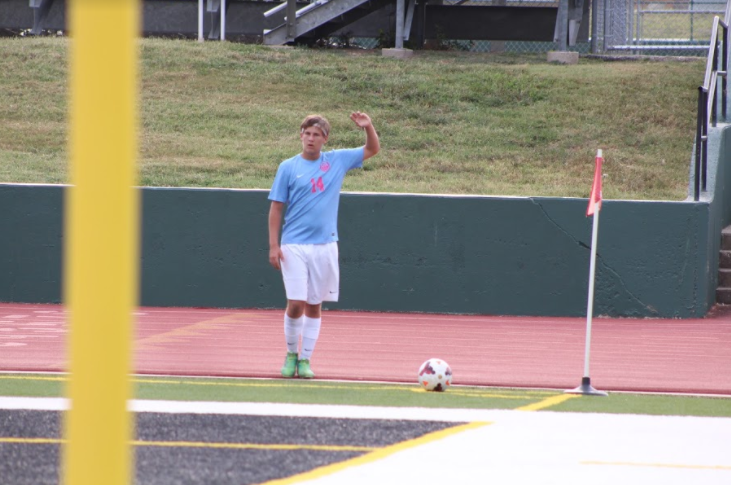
{"x": 676, "y": 27}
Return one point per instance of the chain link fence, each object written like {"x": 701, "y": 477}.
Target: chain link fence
{"x": 639, "y": 27}
{"x": 658, "y": 26}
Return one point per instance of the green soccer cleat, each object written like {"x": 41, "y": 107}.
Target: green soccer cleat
{"x": 303, "y": 369}
{"x": 290, "y": 365}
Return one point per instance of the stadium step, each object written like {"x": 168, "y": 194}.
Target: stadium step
{"x": 321, "y": 18}
{"x": 723, "y": 296}
{"x": 724, "y": 278}
{"x": 724, "y": 259}
{"x": 723, "y": 290}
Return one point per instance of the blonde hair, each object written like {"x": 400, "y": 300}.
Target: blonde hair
{"x": 318, "y": 122}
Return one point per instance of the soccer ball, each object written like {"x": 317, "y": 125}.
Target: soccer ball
{"x": 435, "y": 375}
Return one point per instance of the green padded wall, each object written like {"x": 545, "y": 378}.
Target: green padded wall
{"x": 406, "y": 253}
{"x": 520, "y": 256}
{"x": 31, "y": 227}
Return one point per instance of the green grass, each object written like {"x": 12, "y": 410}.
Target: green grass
{"x": 697, "y": 27}
{"x": 225, "y": 114}
{"x": 656, "y": 404}
{"x": 376, "y": 394}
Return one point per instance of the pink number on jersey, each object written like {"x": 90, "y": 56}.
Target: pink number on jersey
{"x": 317, "y": 185}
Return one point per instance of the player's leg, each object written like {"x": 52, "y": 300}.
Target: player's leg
{"x": 310, "y": 334}
{"x": 294, "y": 274}
{"x": 323, "y": 285}
{"x": 293, "y": 326}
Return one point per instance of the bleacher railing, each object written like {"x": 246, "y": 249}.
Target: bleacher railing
{"x": 708, "y": 97}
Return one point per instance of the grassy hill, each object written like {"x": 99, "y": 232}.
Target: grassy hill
{"x": 224, "y": 115}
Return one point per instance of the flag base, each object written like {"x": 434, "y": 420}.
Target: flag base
{"x": 586, "y": 389}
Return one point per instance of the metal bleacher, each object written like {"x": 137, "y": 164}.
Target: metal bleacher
{"x": 268, "y": 22}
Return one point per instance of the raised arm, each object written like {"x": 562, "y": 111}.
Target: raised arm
{"x": 372, "y": 145}
{"x": 275, "y": 222}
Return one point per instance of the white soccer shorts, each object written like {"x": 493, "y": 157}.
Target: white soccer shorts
{"x": 311, "y": 272}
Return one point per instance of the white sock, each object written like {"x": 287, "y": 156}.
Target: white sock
{"x": 292, "y": 332}
{"x": 310, "y": 332}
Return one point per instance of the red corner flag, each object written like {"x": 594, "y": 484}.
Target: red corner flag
{"x": 595, "y": 199}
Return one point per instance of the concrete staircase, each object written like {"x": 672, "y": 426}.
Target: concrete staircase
{"x": 320, "y": 18}
{"x": 723, "y": 292}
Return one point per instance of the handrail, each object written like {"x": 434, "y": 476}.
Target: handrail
{"x": 276, "y": 9}
{"x": 707, "y": 98}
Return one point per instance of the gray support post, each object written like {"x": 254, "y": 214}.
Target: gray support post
{"x": 291, "y": 19}
{"x": 409, "y": 19}
{"x": 560, "y": 36}
{"x": 400, "y": 24}
{"x": 563, "y": 24}
{"x": 575, "y": 16}
{"x": 40, "y": 14}
{"x": 214, "y": 8}
{"x": 200, "y": 20}
{"x": 223, "y": 19}
{"x": 594, "y": 27}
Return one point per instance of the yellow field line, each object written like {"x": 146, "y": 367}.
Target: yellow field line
{"x": 33, "y": 441}
{"x": 453, "y": 391}
{"x": 265, "y": 384}
{"x": 491, "y": 395}
{"x": 203, "y": 444}
{"x": 659, "y": 465}
{"x": 547, "y": 403}
{"x": 379, "y": 454}
{"x": 388, "y": 387}
{"x": 34, "y": 378}
{"x": 251, "y": 446}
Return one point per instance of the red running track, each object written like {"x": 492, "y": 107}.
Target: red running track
{"x": 686, "y": 356}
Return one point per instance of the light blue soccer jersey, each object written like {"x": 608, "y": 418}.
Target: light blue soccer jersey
{"x": 311, "y": 190}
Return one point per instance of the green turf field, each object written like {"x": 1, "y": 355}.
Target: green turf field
{"x": 380, "y": 394}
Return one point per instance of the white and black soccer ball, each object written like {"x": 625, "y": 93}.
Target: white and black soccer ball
{"x": 435, "y": 375}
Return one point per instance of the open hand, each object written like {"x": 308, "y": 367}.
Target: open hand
{"x": 361, "y": 119}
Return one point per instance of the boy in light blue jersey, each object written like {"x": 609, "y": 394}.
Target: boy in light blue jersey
{"x": 309, "y": 185}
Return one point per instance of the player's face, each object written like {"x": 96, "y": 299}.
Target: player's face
{"x": 313, "y": 140}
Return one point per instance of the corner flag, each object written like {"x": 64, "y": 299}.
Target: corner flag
{"x": 595, "y": 199}
{"x": 595, "y": 204}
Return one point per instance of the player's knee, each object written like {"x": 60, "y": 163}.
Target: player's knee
{"x": 295, "y": 308}
{"x": 313, "y": 311}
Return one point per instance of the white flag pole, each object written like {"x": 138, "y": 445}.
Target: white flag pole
{"x": 585, "y": 387}
{"x": 590, "y": 302}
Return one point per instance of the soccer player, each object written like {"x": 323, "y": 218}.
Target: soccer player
{"x": 309, "y": 185}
